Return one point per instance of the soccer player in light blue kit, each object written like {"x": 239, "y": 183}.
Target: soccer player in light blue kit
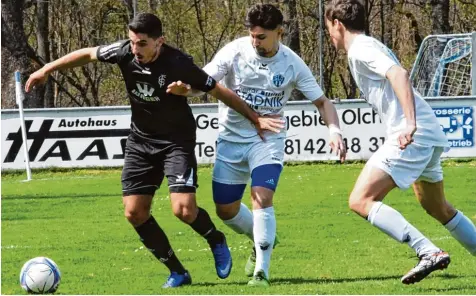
{"x": 411, "y": 153}
{"x": 263, "y": 72}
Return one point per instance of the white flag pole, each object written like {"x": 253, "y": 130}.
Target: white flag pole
{"x": 19, "y": 98}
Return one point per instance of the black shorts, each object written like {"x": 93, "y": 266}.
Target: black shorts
{"x": 146, "y": 163}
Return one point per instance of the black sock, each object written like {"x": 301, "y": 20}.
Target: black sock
{"x": 156, "y": 241}
{"x": 204, "y": 226}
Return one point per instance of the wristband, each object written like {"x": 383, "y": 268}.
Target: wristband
{"x": 334, "y": 130}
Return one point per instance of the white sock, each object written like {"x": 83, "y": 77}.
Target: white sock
{"x": 242, "y": 223}
{"x": 264, "y": 234}
{"x": 464, "y": 231}
{"x": 394, "y": 224}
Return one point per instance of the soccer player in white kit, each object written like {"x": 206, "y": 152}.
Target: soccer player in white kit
{"x": 411, "y": 153}
{"x": 263, "y": 72}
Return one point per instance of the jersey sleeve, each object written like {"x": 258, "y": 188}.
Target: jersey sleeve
{"x": 195, "y": 76}
{"x": 306, "y": 83}
{"x": 372, "y": 61}
{"x": 113, "y": 53}
{"x": 221, "y": 62}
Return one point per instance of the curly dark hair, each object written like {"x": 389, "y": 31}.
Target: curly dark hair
{"x": 349, "y": 12}
{"x": 266, "y": 16}
{"x": 146, "y": 23}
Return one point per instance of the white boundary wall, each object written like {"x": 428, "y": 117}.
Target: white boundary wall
{"x": 82, "y": 137}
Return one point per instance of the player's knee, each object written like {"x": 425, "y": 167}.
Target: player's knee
{"x": 358, "y": 203}
{"x": 185, "y": 213}
{"x": 353, "y": 201}
{"x": 354, "y": 205}
{"x": 136, "y": 216}
{"x": 262, "y": 197}
{"x": 260, "y": 202}
{"x": 227, "y": 212}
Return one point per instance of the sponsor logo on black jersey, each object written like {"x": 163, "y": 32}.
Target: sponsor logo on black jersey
{"x": 145, "y": 92}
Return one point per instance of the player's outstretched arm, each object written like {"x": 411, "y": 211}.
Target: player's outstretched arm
{"x": 74, "y": 59}
{"x": 400, "y": 81}
{"x": 182, "y": 89}
{"x": 232, "y": 100}
{"x": 329, "y": 114}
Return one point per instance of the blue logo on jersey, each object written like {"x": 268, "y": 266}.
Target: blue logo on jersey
{"x": 458, "y": 125}
{"x": 278, "y": 80}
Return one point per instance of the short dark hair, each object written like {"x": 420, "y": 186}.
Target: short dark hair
{"x": 349, "y": 12}
{"x": 266, "y": 16}
{"x": 146, "y": 23}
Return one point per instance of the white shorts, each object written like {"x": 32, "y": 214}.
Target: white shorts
{"x": 409, "y": 165}
{"x": 235, "y": 161}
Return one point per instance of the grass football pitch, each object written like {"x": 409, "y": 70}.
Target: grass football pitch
{"x": 76, "y": 218}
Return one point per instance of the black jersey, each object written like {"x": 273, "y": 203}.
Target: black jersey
{"x": 156, "y": 115}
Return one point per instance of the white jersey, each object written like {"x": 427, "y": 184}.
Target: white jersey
{"x": 369, "y": 61}
{"x": 264, "y": 83}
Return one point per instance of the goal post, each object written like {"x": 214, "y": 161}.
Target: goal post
{"x": 473, "y": 63}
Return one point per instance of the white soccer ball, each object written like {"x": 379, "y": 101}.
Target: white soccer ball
{"x": 40, "y": 275}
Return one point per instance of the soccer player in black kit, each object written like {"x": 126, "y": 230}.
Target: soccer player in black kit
{"x": 163, "y": 136}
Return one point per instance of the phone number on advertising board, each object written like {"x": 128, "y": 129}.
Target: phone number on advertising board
{"x": 321, "y": 146}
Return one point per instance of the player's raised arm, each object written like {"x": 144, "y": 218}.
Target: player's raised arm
{"x": 76, "y": 58}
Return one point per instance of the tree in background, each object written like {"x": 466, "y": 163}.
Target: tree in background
{"x": 37, "y": 31}
{"x": 43, "y": 51}
{"x": 17, "y": 54}
{"x": 440, "y": 12}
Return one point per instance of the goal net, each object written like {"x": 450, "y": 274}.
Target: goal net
{"x": 443, "y": 66}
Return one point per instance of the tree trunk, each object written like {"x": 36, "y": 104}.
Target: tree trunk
{"x": 291, "y": 38}
{"x": 42, "y": 36}
{"x": 17, "y": 54}
{"x": 386, "y": 19}
{"x": 440, "y": 13}
{"x": 368, "y": 10}
{"x": 8, "y": 81}
{"x": 131, "y": 5}
{"x": 135, "y": 7}
{"x": 153, "y": 5}
{"x": 415, "y": 30}
{"x": 352, "y": 94}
